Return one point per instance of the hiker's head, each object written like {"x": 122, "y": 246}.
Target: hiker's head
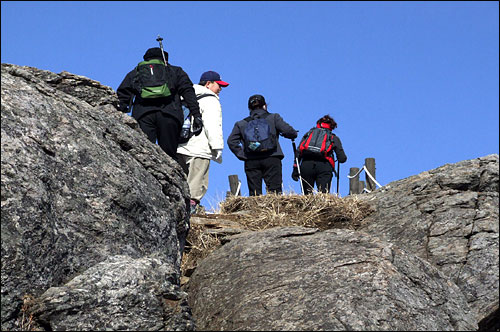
{"x": 256, "y": 101}
{"x": 211, "y": 80}
{"x": 326, "y": 122}
{"x": 155, "y": 53}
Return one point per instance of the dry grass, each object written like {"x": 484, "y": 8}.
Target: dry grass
{"x": 322, "y": 211}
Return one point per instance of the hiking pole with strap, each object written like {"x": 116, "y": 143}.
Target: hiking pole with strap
{"x": 159, "y": 40}
{"x": 297, "y": 163}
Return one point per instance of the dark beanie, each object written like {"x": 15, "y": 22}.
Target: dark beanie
{"x": 155, "y": 53}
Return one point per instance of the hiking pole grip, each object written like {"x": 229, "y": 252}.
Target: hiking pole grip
{"x": 159, "y": 40}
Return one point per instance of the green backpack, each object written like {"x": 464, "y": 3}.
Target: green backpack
{"x": 151, "y": 79}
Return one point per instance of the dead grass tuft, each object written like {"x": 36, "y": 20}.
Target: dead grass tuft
{"x": 322, "y": 211}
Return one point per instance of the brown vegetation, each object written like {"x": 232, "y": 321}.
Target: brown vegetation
{"x": 322, "y": 211}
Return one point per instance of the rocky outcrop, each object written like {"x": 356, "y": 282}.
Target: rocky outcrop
{"x": 93, "y": 214}
{"x": 448, "y": 216}
{"x": 425, "y": 258}
{"x": 304, "y": 280}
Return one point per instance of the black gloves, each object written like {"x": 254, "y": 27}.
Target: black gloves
{"x": 295, "y": 173}
{"x": 197, "y": 124}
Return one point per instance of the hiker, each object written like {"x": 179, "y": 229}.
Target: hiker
{"x": 316, "y": 156}
{"x": 160, "y": 118}
{"x": 255, "y": 140}
{"x": 195, "y": 155}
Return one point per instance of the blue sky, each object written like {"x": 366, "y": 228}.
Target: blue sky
{"x": 412, "y": 84}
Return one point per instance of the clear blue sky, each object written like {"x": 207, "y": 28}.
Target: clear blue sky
{"x": 412, "y": 84}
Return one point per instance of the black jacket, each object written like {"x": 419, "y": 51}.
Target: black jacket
{"x": 278, "y": 127}
{"x": 178, "y": 83}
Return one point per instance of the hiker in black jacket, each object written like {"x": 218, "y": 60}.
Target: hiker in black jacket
{"x": 319, "y": 169}
{"x": 161, "y": 118}
{"x": 264, "y": 165}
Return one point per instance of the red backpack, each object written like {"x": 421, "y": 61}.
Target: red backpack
{"x": 317, "y": 143}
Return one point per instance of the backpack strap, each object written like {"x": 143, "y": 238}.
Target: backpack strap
{"x": 250, "y": 118}
{"x": 204, "y": 95}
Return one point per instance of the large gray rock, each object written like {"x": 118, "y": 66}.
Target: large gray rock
{"x": 448, "y": 216}
{"x": 302, "y": 279}
{"x": 81, "y": 184}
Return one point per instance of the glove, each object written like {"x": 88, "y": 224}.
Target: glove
{"x": 122, "y": 107}
{"x": 295, "y": 173}
{"x": 217, "y": 155}
{"x": 197, "y": 124}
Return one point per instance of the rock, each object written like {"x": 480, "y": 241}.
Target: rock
{"x": 448, "y": 216}
{"x": 298, "y": 278}
{"x": 82, "y": 185}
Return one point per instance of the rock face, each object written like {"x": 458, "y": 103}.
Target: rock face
{"x": 93, "y": 214}
{"x": 448, "y": 216}
{"x": 426, "y": 258}
{"x": 302, "y": 279}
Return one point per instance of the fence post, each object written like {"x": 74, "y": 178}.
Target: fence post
{"x": 361, "y": 187}
{"x": 353, "y": 182}
{"x": 233, "y": 184}
{"x": 370, "y": 166}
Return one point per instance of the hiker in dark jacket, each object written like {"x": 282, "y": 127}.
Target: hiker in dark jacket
{"x": 161, "y": 118}
{"x": 319, "y": 170}
{"x": 266, "y": 165}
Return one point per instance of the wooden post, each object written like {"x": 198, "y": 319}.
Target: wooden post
{"x": 353, "y": 182}
{"x": 233, "y": 184}
{"x": 361, "y": 187}
{"x": 370, "y": 166}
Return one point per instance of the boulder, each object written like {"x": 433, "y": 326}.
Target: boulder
{"x": 448, "y": 216}
{"x": 301, "y": 279}
{"x": 86, "y": 198}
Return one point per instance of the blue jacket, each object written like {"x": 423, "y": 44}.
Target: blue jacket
{"x": 278, "y": 128}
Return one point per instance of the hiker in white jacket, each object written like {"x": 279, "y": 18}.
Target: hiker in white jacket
{"x": 199, "y": 150}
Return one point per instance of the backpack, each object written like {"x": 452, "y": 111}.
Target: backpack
{"x": 257, "y": 136}
{"x": 151, "y": 79}
{"x": 187, "y": 120}
{"x": 316, "y": 143}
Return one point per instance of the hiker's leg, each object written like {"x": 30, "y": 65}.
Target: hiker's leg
{"x": 147, "y": 122}
{"x": 272, "y": 174}
{"x": 182, "y": 159}
{"x": 198, "y": 177}
{"x": 308, "y": 174}
{"x": 324, "y": 177}
{"x": 168, "y": 133}
{"x": 254, "y": 177}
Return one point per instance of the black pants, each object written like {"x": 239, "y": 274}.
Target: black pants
{"x": 268, "y": 169}
{"x": 319, "y": 172}
{"x": 164, "y": 128}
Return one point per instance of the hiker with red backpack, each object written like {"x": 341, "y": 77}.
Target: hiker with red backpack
{"x": 255, "y": 141}
{"x": 315, "y": 156}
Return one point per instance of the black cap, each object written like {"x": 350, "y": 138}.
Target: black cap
{"x": 155, "y": 53}
{"x": 256, "y": 100}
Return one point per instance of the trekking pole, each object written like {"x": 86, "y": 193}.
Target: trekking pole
{"x": 159, "y": 40}
{"x": 298, "y": 166}
{"x": 338, "y": 177}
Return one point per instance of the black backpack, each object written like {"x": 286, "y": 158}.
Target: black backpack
{"x": 151, "y": 79}
{"x": 258, "y": 137}
{"x": 316, "y": 143}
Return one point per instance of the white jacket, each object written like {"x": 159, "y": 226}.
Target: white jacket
{"x": 211, "y": 137}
